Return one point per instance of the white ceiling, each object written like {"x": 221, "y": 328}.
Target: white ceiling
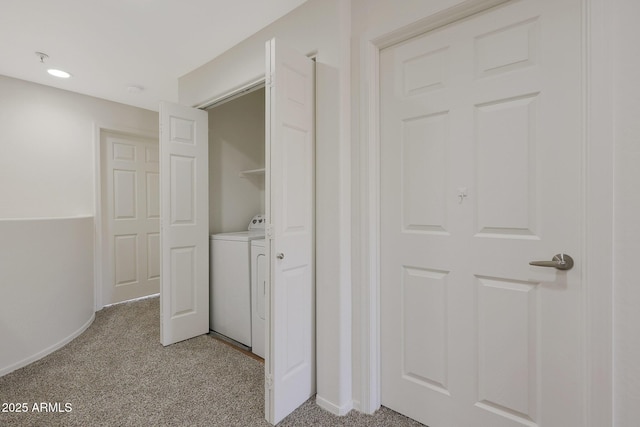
{"x": 109, "y": 45}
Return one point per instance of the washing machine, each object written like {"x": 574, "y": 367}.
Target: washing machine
{"x": 258, "y": 293}
{"x": 230, "y": 282}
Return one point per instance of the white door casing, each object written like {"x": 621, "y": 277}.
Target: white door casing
{"x": 184, "y": 234}
{"x": 290, "y": 307}
{"x": 131, "y": 212}
{"x": 481, "y": 168}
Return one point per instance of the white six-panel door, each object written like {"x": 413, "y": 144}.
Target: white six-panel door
{"x": 481, "y": 173}
{"x": 130, "y": 200}
{"x": 184, "y": 190}
{"x": 290, "y": 137}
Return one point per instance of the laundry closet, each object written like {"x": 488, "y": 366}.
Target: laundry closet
{"x": 238, "y": 190}
{"x": 236, "y": 219}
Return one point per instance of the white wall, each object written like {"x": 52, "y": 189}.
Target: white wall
{"x": 383, "y": 16}
{"x": 236, "y": 143}
{"x": 47, "y": 147}
{"x": 47, "y": 174}
{"x": 46, "y": 282}
{"x": 626, "y": 69}
{"x": 320, "y": 26}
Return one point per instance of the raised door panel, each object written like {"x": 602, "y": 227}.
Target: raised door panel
{"x": 296, "y": 322}
{"x": 424, "y": 328}
{"x": 506, "y": 166}
{"x": 508, "y": 348}
{"x": 425, "y": 72}
{"x": 423, "y": 168}
{"x": 153, "y": 195}
{"x": 124, "y": 151}
{"x": 507, "y": 49}
{"x": 182, "y": 190}
{"x": 124, "y": 194}
{"x": 295, "y": 180}
{"x": 153, "y": 256}
{"x": 126, "y": 259}
{"x": 183, "y": 264}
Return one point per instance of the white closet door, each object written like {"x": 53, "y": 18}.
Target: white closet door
{"x": 290, "y": 353}
{"x": 184, "y": 234}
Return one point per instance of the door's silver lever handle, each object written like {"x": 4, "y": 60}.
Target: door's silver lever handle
{"x": 559, "y": 261}
{"x": 280, "y": 255}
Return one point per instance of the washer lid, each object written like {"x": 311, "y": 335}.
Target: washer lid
{"x": 243, "y": 236}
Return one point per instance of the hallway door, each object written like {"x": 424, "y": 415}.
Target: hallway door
{"x": 481, "y": 173}
{"x": 131, "y": 212}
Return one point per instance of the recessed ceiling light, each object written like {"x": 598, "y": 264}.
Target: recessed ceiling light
{"x": 58, "y": 73}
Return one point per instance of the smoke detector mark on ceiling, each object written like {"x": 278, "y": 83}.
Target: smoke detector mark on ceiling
{"x": 42, "y": 56}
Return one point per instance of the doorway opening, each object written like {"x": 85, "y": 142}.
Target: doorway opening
{"x": 129, "y": 214}
{"x": 289, "y": 246}
{"x": 237, "y": 219}
{"x": 485, "y": 288}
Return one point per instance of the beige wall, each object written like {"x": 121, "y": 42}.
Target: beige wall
{"x": 47, "y": 142}
{"x": 626, "y": 69}
{"x": 312, "y": 27}
{"x": 46, "y": 283}
{"x": 236, "y": 143}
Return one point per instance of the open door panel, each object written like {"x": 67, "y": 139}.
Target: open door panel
{"x": 290, "y": 146}
{"x": 184, "y": 223}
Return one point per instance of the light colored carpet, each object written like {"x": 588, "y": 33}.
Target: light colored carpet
{"x": 117, "y": 374}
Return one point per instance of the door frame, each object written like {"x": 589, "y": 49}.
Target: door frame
{"x": 98, "y": 258}
{"x": 597, "y": 196}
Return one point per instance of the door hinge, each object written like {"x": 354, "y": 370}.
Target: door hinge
{"x": 268, "y": 381}
{"x": 268, "y": 232}
{"x": 270, "y": 80}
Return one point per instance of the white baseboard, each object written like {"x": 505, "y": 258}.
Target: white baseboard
{"x": 334, "y": 409}
{"x": 39, "y": 355}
